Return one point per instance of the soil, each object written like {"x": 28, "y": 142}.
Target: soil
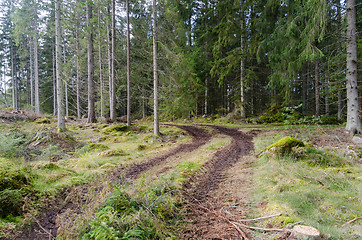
{"x": 45, "y": 227}
{"x": 206, "y": 204}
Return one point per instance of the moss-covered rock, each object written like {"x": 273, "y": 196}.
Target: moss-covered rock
{"x": 284, "y": 146}
{"x": 115, "y": 128}
{"x": 113, "y": 153}
{"x": 43, "y": 120}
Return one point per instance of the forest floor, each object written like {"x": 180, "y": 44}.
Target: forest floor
{"x": 218, "y": 179}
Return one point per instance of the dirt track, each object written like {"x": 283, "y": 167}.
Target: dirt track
{"x": 198, "y": 188}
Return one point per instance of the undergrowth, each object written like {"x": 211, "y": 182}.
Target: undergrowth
{"x": 319, "y": 187}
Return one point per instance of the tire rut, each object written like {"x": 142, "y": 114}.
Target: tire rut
{"x": 199, "y": 138}
{"x": 46, "y": 228}
{"x": 200, "y": 190}
{"x": 212, "y": 173}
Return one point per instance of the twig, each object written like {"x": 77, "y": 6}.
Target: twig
{"x": 263, "y": 229}
{"x": 259, "y": 218}
{"x": 46, "y": 231}
{"x": 351, "y": 221}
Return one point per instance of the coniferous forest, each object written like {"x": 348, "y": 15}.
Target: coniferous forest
{"x": 188, "y": 119}
{"x": 95, "y": 59}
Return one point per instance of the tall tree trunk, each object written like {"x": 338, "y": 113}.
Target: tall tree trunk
{"x": 206, "y": 97}
{"x": 353, "y": 116}
{"x": 100, "y": 63}
{"x": 326, "y": 96}
{"x": 316, "y": 86}
{"x": 31, "y": 73}
{"x": 91, "y": 97}
{"x": 54, "y": 85}
{"x": 36, "y": 67}
{"x": 112, "y": 94}
{"x": 58, "y": 59}
{"x": 304, "y": 89}
{"x": 339, "y": 36}
{"x": 109, "y": 53}
{"x": 128, "y": 69}
{"x": 156, "y": 130}
{"x": 13, "y": 80}
{"x": 79, "y": 114}
{"x": 242, "y": 71}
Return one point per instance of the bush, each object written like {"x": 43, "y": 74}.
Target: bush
{"x": 11, "y": 202}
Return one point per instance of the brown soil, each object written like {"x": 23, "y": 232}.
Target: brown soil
{"x": 46, "y": 227}
{"x": 206, "y": 204}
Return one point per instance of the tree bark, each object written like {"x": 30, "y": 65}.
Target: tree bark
{"x": 353, "y": 116}
{"x": 79, "y": 114}
{"x": 36, "y": 66}
{"x": 128, "y": 69}
{"x": 100, "y": 63}
{"x": 31, "y": 73}
{"x": 156, "y": 130}
{"x": 316, "y": 86}
{"x": 58, "y": 59}
{"x": 112, "y": 94}
{"x": 242, "y": 71}
{"x": 54, "y": 85}
{"x": 91, "y": 97}
{"x": 13, "y": 80}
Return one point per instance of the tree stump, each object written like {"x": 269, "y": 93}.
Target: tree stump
{"x": 302, "y": 232}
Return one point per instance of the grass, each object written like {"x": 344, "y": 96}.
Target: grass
{"x": 41, "y": 178}
{"x": 320, "y": 189}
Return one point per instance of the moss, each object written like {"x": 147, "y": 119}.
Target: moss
{"x": 284, "y": 145}
{"x": 141, "y": 147}
{"x": 115, "y": 128}
{"x": 113, "y": 153}
{"x": 14, "y": 178}
{"x": 11, "y": 202}
{"x": 98, "y": 146}
{"x": 43, "y": 120}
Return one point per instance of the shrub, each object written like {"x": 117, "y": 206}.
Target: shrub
{"x": 11, "y": 202}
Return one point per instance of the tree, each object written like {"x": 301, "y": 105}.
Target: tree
{"x": 91, "y": 92}
{"x": 58, "y": 60}
{"x": 156, "y": 130}
{"x": 353, "y": 115}
{"x": 128, "y": 68}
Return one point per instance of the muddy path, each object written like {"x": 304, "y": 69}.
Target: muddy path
{"x": 45, "y": 227}
{"x": 201, "y": 196}
{"x": 199, "y": 138}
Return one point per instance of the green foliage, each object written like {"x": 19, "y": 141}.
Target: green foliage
{"x": 14, "y": 176}
{"x": 11, "y": 144}
{"x": 43, "y": 120}
{"x": 115, "y": 128}
{"x": 11, "y": 202}
{"x": 284, "y": 145}
{"x": 92, "y": 147}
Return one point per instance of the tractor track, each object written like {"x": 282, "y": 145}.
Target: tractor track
{"x": 46, "y": 227}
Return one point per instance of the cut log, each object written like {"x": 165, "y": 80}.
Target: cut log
{"x": 302, "y": 232}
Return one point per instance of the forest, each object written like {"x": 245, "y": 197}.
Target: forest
{"x": 237, "y": 58}
{"x": 189, "y": 119}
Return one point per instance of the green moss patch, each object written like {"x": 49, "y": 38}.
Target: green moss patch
{"x": 284, "y": 146}
{"x": 115, "y": 129}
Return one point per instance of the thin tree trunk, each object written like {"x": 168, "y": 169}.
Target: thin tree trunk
{"x": 58, "y": 54}
{"x": 353, "y": 116}
{"x": 206, "y": 97}
{"x": 112, "y": 94}
{"x": 13, "y": 81}
{"x": 128, "y": 69}
{"x": 54, "y": 85}
{"x": 91, "y": 97}
{"x": 242, "y": 71}
{"x": 66, "y": 87}
{"x": 109, "y": 52}
{"x": 36, "y": 67}
{"x": 5, "y": 83}
{"x": 316, "y": 86}
{"x": 100, "y": 63}
{"x": 79, "y": 114}
{"x": 339, "y": 36}
{"x": 304, "y": 89}
{"x": 31, "y": 73}
{"x": 156, "y": 130}
{"x": 326, "y": 96}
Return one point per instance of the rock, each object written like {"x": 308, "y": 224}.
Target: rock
{"x": 302, "y": 232}
{"x": 357, "y": 140}
{"x": 283, "y": 146}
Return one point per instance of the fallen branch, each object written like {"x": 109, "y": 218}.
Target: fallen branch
{"x": 263, "y": 229}
{"x": 46, "y": 231}
{"x": 260, "y": 218}
{"x": 351, "y": 221}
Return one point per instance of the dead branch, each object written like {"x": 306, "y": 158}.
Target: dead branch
{"x": 263, "y": 229}
{"x": 351, "y": 221}
{"x": 46, "y": 231}
{"x": 259, "y": 218}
